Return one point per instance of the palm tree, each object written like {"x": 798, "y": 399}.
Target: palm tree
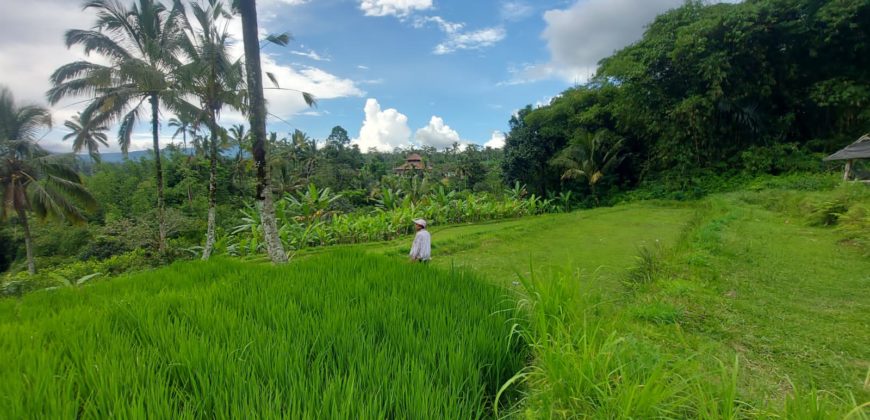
{"x": 257, "y": 117}
{"x": 590, "y": 157}
{"x": 141, "y": 43}
{"x": 32, "y": 180}
{"x": 86, "y": 134}
{"x": 304, "y": 153}
{"x": 241, "y": 139}
{"x": 183, "y": 127}
{"x": 216, "y": 81}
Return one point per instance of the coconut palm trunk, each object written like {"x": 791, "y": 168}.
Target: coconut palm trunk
{"x": 257, "y": 117}
{"x": 212, "y": 185}
{"x": 161, "y": 216}
{"x": 28, "y": 240}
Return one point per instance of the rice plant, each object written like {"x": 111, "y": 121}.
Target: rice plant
{"x": 340, "y": 335}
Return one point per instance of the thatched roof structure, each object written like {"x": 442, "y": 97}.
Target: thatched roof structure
{"x": 413, "y": 162}
{"x": 857, "y": 150}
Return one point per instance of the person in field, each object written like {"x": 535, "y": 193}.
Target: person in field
{"x": 421, "y": 250}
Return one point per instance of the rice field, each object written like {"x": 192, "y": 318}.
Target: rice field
{"x": 650, "y": 310}
{"x": 339, "y": 335}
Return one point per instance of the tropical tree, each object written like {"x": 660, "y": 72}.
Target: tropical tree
{"x": 240, "y": 138}
{"x": 589, "y": 157}
{"x": 304, "y": 153}
{"x": 257, "y": 117}
{"x": 141, "y": 44}
{"x": 338, "y": 137}
{"x": 86, "y": 135}
{"x": 217, "y": 81}
{"x": 182, "y": 127}
{"x": 31, "y": 179}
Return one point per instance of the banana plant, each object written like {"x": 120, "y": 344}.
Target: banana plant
{"x": 313, "y": 204}
{"x": 73, "y": 283}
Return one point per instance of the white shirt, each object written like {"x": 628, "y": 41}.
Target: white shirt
{"x": 422, "y": 248}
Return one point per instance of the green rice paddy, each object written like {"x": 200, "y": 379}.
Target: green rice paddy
{"x": 342, "y": 335}
{"x": 723, "y": 308}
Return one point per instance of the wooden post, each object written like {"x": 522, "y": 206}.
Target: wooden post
{"x": 848, "y": 173}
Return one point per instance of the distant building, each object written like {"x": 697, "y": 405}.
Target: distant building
{"x": 413, "y": 164}
{"x": 855, "y": 151}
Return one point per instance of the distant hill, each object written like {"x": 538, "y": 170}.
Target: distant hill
{"x": 117, "y": 157}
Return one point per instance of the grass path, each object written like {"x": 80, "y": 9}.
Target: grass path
{"x": 603, "y": 240}
{"x": 795, "y": 302}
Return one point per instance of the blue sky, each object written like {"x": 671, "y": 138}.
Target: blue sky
{"x": 393, "y": 73}
{"x": 393, "y": 59}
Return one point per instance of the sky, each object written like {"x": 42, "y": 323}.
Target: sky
{"x": 393, "y": 73}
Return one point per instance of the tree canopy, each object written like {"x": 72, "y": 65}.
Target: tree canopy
{"x": 705, "y": 84}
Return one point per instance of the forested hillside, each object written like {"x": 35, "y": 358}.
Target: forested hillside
{"x": 711, "y": 91}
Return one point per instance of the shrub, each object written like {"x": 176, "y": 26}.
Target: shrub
{"x": 778, "y": 158}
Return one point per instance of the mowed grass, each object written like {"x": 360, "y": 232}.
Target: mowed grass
{"x": 339, "y": 335}
{"x": 792, "y": 301}
{"x": 602, "y": 241}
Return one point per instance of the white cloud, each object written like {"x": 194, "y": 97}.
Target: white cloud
{"x": 444, "y": 25}
{"x": 457, "y": 39}
{"x": 470, "y": 40}
{"x": 400, "y": 8}
{"x": 515, "y": 10}
{"x": 362, "y": 67}
{"x": 496, "y": 141}
{"x": 32, "y": 47}
{"x": 437, "y": 134}
{"x": 383, "y": 130}
{"x": 310, "y": 54}
{"x": 314, "y": 113}
{"x": 285, "y": 103}
{"x": 580, "y": 36}
{"x": 545, "y": 101}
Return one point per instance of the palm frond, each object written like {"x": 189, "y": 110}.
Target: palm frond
{"x": 282, "y": 39}
{"x": 48, "y": 202}
{"x": 274, "y": 79}
{"x": 74, "y": 70}
{"x": 74, "y": 190}
{"x": 125, "y": 129}
{"x": 96, "y": 41}
{"x": 31, "y": 120}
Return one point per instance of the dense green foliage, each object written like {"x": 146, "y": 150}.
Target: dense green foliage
{"x": 32, "y": 181}
{"x": 342, "y": 335}
{"x": 754, "y": 87}
{"x": 373, "y": 204}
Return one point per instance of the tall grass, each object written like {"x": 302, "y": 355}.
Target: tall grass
{"x": 341, "y": 335}
{"x": 589, "y": 361}
{"x": 587, "y": 364}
